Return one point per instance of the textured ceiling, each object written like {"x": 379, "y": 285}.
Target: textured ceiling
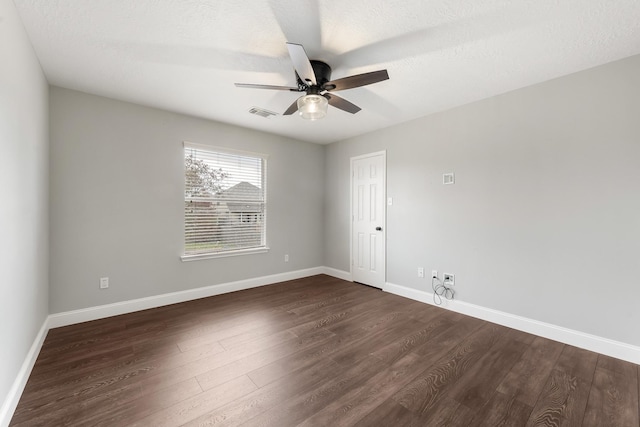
{"x": 185, "y": 55}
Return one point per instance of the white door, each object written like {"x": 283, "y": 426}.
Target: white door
{"x": 368, "y": 248}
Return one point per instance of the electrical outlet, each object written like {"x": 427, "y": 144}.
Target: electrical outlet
{"x": 104, "y": 282}
{"x": 286, "y": 258}
{"x": 434, "y": 273}
{"x": 449, "y": 279}
{"x": 420, "y": 272}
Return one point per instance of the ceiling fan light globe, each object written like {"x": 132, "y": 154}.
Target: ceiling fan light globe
{"x": 313, "y": 107}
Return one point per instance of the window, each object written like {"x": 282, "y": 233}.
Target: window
{"x": 224, "y": 202}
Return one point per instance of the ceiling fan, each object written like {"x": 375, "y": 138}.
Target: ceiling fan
{"x": 313, "y": 77}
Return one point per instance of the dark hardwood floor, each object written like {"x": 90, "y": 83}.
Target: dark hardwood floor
{"x": 318, "y": 352}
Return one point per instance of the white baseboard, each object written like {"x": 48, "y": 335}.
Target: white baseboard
{"x": 108, "y": 310}
{"x": 339, "y": 274}
{"x": 13, "y": 397}
{"x": 590, "y": 342}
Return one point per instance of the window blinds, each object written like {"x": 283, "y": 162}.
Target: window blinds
{"x": 224, "y": 200}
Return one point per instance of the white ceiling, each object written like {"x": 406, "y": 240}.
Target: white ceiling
{"x": 185, "y": 55}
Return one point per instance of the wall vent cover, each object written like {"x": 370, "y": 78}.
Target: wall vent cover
{"x": 448, "y": 178}
{"x": 262, "y": 112}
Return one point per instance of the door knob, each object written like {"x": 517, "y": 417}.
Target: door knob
{"x": 378, "y": 228}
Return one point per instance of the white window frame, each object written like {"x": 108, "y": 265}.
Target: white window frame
{"x": 231, "y": 252}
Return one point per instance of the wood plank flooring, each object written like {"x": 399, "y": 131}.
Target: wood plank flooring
{"x": 318, "y": 351}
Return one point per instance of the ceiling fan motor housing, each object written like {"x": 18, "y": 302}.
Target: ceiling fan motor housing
{"x": 322, "y": 71}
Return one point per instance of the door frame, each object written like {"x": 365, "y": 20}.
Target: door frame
{"x": 382, "y": 153}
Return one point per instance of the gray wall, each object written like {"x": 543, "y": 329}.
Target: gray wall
{"x": 544, "y": 218}
{"x": 24, "y": 195}
{"x": 117, "y": 194}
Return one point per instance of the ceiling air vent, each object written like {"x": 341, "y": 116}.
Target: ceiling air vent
{"x": 262, "y": 112}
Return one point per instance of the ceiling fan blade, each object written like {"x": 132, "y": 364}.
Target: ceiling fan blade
{"x": 252, "y": 86}
{"x": 301, "y": 63}
{"x": 341, "y": 103}
{"x": 292, "y": 109}
{"x": 357, "y": 80}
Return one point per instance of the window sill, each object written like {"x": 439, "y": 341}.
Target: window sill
{"x": 186, "y": 258}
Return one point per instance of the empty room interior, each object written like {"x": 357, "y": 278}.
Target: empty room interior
{"x": 441, "y": 226}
